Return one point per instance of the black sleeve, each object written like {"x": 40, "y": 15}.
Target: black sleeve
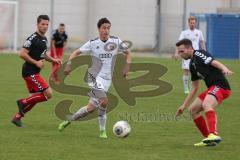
{"x": 66, "y": 37}
{"x": 29, "y": 43}
{"x": 53, "y": 36}
{"x": 204, "y": 57}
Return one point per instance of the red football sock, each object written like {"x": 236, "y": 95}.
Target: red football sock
{"x": 55, "y": 68}
{"x": 29, "y": 107}
{"x": 35, "y": 98}
{"x": 202, "y": 126}
{"x": 212, "y": 121}
{"x": 26, "y": 109}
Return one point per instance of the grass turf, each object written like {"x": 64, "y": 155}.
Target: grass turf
{"x": 156, "y": 134}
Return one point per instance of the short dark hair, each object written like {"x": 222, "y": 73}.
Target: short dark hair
{"x": 102, "y": 21}
{"x": 62, "y": 24}
{"x": 186, "y": 42}
{"x": 42, "y": 17}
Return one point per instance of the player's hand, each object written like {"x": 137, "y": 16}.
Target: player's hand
{"x": 227, "y": 72}
{"x": 40, "y": 64}
{"x": 67, "y": 69}
{"x": 57, "y": 60}
{"x": 180, "y": 111}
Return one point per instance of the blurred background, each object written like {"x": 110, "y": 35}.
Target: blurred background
{"x": 152, "y": 25}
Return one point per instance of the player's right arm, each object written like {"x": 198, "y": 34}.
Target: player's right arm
{"x": 193, "y": 91}
{"x": 25, "y": 56}
{"x": 84, "y": 49}
{"x": 53, "y": 48}
{"x": 175, "y": 55}
{"x": 202, "y": 42}
{"x": 73, "y": 55}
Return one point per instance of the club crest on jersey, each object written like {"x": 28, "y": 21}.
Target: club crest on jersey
{"x": 110, "y": 46}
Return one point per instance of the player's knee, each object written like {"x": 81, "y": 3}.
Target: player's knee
{"x": 104, "y": 102}
{"x": 48, "y": 93}
{"x": 193, "y": 111}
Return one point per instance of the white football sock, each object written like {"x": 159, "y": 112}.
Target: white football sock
{"x": 185, "y": 81}
{"x": 82, "y": 112}
{"x": 102, "y": 117}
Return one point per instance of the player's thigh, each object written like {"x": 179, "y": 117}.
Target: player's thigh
{"x": 91, "y": 106}
{"x": 196, "y": 106}
{"x": 59, "y": 53}
{"x": 209, "y": 102}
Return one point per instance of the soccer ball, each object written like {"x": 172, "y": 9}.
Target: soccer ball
{"x": 121, "y": 129}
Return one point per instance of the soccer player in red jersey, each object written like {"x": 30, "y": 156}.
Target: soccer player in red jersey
{"x": 33, "y": 53}
{"x": 204, "y": 66}
{"x": 58, "y": 44}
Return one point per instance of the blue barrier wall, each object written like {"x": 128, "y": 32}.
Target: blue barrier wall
{"x": 222, "y": 34}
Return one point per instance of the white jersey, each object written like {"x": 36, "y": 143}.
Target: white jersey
{"x": 194, "y": 35}
{"x": 103, "y": 56}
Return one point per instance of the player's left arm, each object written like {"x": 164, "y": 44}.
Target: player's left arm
{"x": 201, "y": 41}
{"x": 188, "y": 99}
{"x": 128, "y": 56}
{"x": 65, "y": 43}
{"x": 222, "y": 67}
{"x": 202, "y": 44}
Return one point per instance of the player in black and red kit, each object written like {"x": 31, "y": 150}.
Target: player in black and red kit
{"x": 58, "y": 44}
{"x": 204, "y": 66}
{"x": 34, "y": 53}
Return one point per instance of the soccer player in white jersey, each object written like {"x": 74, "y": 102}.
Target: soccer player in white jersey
{"x": 103, "y": 50}
{"x": 196, "y": 36}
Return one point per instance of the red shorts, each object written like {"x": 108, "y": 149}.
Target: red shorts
{"x": 59, "y": 53}
{"x": 35, "y": 83}
{"x": 219, "y": 93}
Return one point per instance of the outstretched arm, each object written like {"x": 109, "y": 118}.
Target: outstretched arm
{"x": 202, "y": 45}
{"x": 222, "y": 67}
{"x": 193, "y": 91}
{"x": 128, "y": 63}
{"x": 73, "y": 55}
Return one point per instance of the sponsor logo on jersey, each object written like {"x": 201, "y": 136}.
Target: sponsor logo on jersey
{"x": 105, "y": 55}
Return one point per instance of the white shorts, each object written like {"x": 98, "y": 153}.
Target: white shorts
{"x": 185, "y": 64}
{"x": 99, "y": 84}
{"x": 99, "y": 88}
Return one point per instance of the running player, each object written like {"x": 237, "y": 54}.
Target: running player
{"x": 196, "y": 36}
{"x": 103, "y": 50}
{"x": 33, "y": 52}
{"x": 204, "y": 66}
{"x": 58, "y": 44}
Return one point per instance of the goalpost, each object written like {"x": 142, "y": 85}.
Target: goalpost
{"x": 8, "y": 25}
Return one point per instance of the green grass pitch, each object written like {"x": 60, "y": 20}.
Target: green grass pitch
{"x": 155, "y": 135}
